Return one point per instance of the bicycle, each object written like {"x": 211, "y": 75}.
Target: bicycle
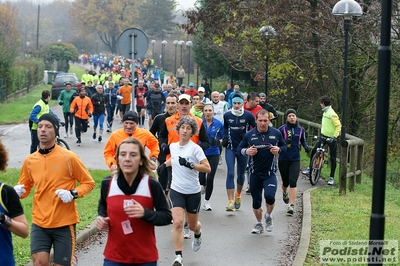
{"x": 318, "y": 160}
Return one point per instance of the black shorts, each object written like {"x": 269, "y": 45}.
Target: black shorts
{"x": 190, "y": 202}
{"x": 125, "y": 107}
{"x": 62, "y": 238}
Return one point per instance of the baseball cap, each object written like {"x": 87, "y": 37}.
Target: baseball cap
{"x": 201, "y": 89}
{"x": 185, "y": 97}
{"x": 191, "y": 84}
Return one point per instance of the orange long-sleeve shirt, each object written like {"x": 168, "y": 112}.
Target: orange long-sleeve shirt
{"x": 82, "y": 107}
{"x": 59, "y": 169}
{"x": 126, "y": 93}
{"x": 143, "y": 135}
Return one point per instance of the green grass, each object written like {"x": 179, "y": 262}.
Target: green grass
{"x": 347, "y": 217}
{"x": 87, "y": 208}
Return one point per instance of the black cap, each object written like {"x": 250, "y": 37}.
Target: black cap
{"x": 68, "y": 83}
{"x": 53, "y": 120}
{"x": 290, "y": 111}
{"x": 132, "y": 116}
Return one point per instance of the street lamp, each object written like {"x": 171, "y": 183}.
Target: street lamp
{"x": 188, "y": 45}
{"x": 347, "y": 9}
{"x": 176, "y": 44}
{"x": 266, "y": 33}
{"x": 163, "y": 53}
{"x": 153, "y": 42}
{"x": 181, "y": 43}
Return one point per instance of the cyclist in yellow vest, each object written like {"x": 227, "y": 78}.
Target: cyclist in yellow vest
{"x": 40, "y": 108}
{"x": 330, "y": 128}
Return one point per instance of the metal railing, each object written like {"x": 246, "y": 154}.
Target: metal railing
{"x": 353, "y": 155}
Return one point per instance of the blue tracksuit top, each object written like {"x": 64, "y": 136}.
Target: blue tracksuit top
{"x": 263, "y": 163}
{"x": 215, "y": 130}
{"x": 235, "y": 127}
{"x": 297, "y": 136}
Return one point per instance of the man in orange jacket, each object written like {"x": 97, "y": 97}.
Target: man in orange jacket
{"x": 82, "y": 108}
{"x": 130, "y": 128}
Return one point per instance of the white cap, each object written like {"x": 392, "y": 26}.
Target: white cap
{"x": 201, "y": 89}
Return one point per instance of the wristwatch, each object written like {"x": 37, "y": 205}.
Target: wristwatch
{"x": 74, "y": 193}
{"x": 191, "y": 165}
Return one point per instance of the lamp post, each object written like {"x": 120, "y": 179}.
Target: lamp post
{"x": 188, "y": 45}
{"x": 163, "y": 53}
{"x": 266, "y": 33}
{"x": 181, "y": 43}
{"x": 377, "y": 226}
{"x": 176, "y": 44}
{"x": 152, "y": 43}
{"x": 347, "y": 9}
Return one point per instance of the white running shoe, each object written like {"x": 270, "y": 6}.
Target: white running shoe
{"x": 269, "y": 224}
{"x": 258, "y": 228}
{"x": 178, "y": 261}
{"x": 207, "y": 206}
{"x": 196, "y": 244}
{"x": 187, "y": 234}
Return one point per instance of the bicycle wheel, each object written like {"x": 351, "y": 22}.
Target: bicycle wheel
{"x": 62, "y": 143}
{"x": 315, "y": 168}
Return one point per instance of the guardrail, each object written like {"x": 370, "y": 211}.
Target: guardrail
{"x": 352, "y": 152}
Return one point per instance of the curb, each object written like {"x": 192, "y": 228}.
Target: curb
{"x": 81, "y": 236}
{"x": 302, "y": 250}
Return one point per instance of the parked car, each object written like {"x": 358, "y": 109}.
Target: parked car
{"x": 59, "y": 83}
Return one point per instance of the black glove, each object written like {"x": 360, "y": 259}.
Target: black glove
{"x": 62, "y": 124}
{"x": 307, "y": 149}
{"x": 161, "y": 169}
{"x": 165, "y": 148}
{"x": 225, "y": 142}
{"x": 90, "y": 115}
{"x": 184, "y": 162}
{"x": 2, "y": 217}
{"x": 60, "y": 103}
{"x": 214, "y": 142}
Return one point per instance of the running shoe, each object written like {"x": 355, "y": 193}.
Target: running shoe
{"x": 285, "y": 197}
{"x": 220, "y": 160}
{"x": 207, "y": 206}
{"x": 100, "y": 138}
{"x": 196, "y": 244}
{"x": 290, "y": 210}
{"x": 306, "y": 172}
{"x": 331, "y": 181}
{"x": 269, "y": 224}
{"x": 94, "y": 135}
{"x": 78, "y": 142}
{"x": 237, "y": 203}
{"x": 66, "y": 135}
{"x": 230, "y": 207}
{"x": 178, "y": 261}
{"x": 248, "y": 192}
{"x": 108, "y": 129}
{"x": 186, "y": 232}
{"x": 258, "y": 228}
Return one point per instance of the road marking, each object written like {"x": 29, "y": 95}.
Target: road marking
{"x": 11, "y": 129}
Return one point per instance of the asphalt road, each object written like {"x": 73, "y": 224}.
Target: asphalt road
{"x": 227, "y": 238}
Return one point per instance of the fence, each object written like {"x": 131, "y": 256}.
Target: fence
{"x": 352, "y": 152}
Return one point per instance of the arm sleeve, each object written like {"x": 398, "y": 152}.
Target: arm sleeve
{"x": 82, "y": 175}
{"x": 11, "y": 201}
{"x": 162, "y": 214}
{"x": 338, "y": 125}
{"x": 152, "y": 145}
{"x": 109, "y": 151}
{"x": 203, "y": 136}
{"x": 60, "y": 97}
{"x": 34, "y": 113}
{"x": 226, "y": 126}
{"x": 72, "y": 107}
{"x": 303, "y": 138}
{"x": 102, "y": 207}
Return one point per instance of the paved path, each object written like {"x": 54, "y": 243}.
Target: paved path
{"x": 227, "y": 237}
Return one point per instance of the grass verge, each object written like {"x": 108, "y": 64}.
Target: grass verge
{"x": 347, "y": 217}
{"x": 87, "y": 208}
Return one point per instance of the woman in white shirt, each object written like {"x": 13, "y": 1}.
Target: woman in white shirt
{"x": 187, "y": 160}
